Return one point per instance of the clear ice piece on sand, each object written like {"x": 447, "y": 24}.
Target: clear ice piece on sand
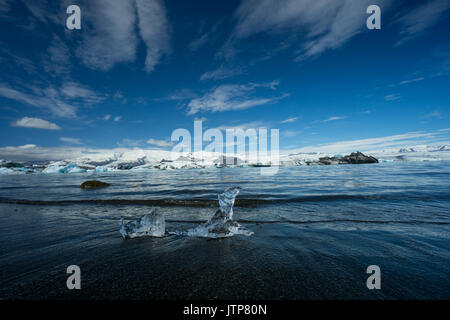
{"x": 226, "y": 201}
{"x": 221, "y": 225}
{"x": 152, "y": 224}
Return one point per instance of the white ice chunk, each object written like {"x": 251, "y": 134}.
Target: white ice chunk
{"x": 70, "y": 168}
{"x": 152, "y": 224}
{"x": 6, "y": 171}
{"x": 221, "y": 225}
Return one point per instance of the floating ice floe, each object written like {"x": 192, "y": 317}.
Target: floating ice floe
{"x": 221, "y": 225}
{"x": 6, "y": 171}
{"x": 152, "y": 224}
{"x": 100, "y": 169}
{"x": 71, "y": 168}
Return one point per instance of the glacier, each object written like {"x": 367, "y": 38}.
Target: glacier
{"x": 143, "y": 160}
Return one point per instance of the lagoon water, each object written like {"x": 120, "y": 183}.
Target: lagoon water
{"x": 316, "y": 230}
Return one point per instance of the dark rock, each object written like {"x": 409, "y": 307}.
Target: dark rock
{"x": 353, "y": 158}
{"x": 358, "y": 157}
{"x": 93, "y": 184}
{"x": 13, "y": 165}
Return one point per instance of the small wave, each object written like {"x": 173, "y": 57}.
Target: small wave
{"x": 344, "y": 221}
{"x": 288, "y": 221}
{"x": 252, "y": 202}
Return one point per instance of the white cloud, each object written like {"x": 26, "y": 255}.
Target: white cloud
{"x": 424, "y": 16}
{"x": 46, "y": 99}
{"x": 293, "y": 119}
{"x": 243, "y": 126}
{"x": 334, "y": 118}
{"x": 221, "y": 73}
{"x": 411, "y": 80}
{"x": 434, "y": 114}
{"x": 61, "y": 102}
{"x": 75, "y": 90}
{"x": 372, "y": 144}
{"x": 290, "y": 133}
{"x": 70, "y": 140}
{"x": 107, "y": 117}
{"x": 204, "y": 37}
{"x": 58, "y": 57}
{"x": 154, "y": 30}
{"x": 36, "y": 123}
{"x": 117, "y": 118}
{"x": 159, "y": 143}
{"x": 5, "y": 5}
{"x": 232, "y": 97}
{"x": 41, "y": 10}
{"x": 392, "y": 97}
{"x": 325, "y": 24}
{"x": 179, "y": 95}
{"x": 112, "y": 36}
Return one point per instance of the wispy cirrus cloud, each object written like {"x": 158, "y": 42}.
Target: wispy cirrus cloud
{"x": 325, "y": 24}
{"x": 159, "y": 143}
{"x": 289, "y": 120}
{"x": 115, "y": 32}
{"x": 422, "y": 17}
{"x": 244, "y": 125}
{"x": 57, "y": 59}
{"x": 335, "y": 118}
{"x": 411, "y": 80}
{"x": 35, "y": 123}
{"x": 221, "y": 72}
{"x": 70, "y": 140}
{"x": 392, "y": 97}
{"x": 204, "y": 37}
{"x": 379, "y": 143}
{"x": 48, "y": 98}
{"x": 233, "y": 97}
{"x": 154, "y": 29}
{"x": 434, "y": 114}
{"x": 60, "y": 101}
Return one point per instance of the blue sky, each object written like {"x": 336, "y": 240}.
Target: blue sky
{"x": 139, "y": 69}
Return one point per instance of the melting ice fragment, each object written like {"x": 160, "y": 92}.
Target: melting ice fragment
{"x": 152, "y": 224}
{"x": 221, "y": 224}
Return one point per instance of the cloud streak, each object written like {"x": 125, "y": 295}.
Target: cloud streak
{"x": 372, "y": 144}
{"x": 115, "y": 29}
{"x": 35, "y": 123}
{"x": 70, "y": 140}
{"x": 232, "y": 97}
{"x": 325, "y": 24}
{"x": 424, "y": 16}
{"x": 61, "y": 102}
{"x": 334, "y": 118}
{"x": 159, "y": 143}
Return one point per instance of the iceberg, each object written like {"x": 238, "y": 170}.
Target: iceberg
{"x": 71, "y": 168}
{"x": 6, "y": 171}
{"x": 152, "y": 224}
{"x": 100, "y": 169}
{"x": 221, "y": 225}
